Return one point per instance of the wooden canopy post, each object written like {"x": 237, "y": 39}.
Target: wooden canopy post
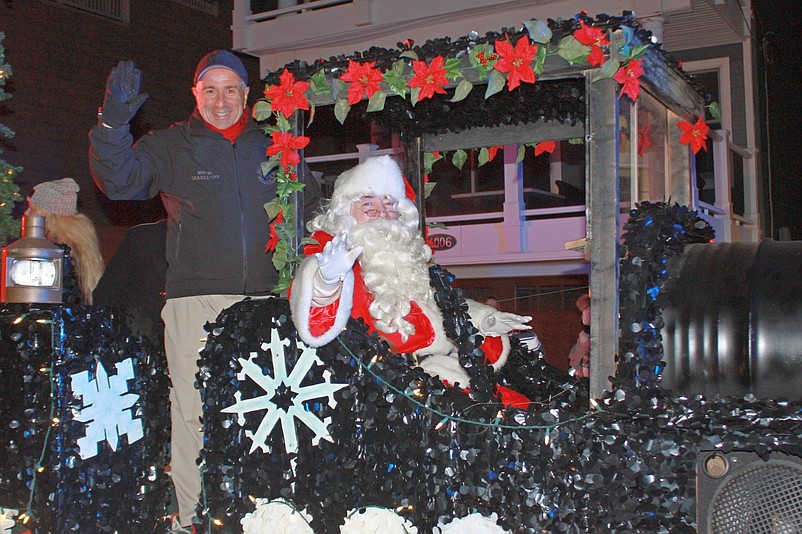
{"x": 603, "y": 195}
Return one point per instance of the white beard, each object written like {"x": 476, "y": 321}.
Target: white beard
{"x": 394, "y": 268}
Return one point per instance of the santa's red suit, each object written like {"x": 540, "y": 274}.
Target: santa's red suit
{"x": 318, "y": 325}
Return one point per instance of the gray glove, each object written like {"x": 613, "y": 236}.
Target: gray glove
{"x": 122, "y": 99}
{"x": 336, "y": 260}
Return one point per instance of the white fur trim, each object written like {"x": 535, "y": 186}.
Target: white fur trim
{"x": 378, "y": 176}
{"x": 301, "y": 304}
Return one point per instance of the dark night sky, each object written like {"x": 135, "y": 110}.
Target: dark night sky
{"x": 778, "y": 37}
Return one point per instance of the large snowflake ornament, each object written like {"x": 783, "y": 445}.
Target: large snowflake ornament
{"x": 105, "y": 407}
{"x": 284, "y": 396}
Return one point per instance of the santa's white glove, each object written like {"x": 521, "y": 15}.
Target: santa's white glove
{"x": 500, "y": 323}
{"x": 336, "y": 260}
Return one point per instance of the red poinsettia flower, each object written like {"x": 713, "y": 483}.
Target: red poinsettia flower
{"x": 644, "y": 141}
{"x": 516, "y": 61}
{"x": 286, "y": 144}
{"x": 430, "y": 78}
{"x": 364, "y": 78}
{"x": 594, "y": 38}
{"x": 492, "y": 151}
{"x": 271, "y": 244}
{"x": 289, "y": 95}
{"x": 628, "y": 77}
{"x": 545, "y": 146}
{"x": 694, "y": 135}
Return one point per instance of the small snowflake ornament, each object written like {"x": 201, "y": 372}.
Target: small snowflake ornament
{"x": 106, "y": 407}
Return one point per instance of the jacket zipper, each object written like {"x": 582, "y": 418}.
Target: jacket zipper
{"x": 241, "y": 220}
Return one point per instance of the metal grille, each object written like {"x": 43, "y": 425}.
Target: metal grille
{"x": 210, "y": 7}
{"x": 764, "y": 497}
{"x": 113, "y": 9}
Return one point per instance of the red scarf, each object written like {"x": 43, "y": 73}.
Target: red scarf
{"x": 232, "y": 132}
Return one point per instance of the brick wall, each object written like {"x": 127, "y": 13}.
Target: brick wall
{"x": 60, "y": 59}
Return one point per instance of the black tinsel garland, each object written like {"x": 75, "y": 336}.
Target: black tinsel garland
{"x": 653, "y": 234}
{"x": 43, "y": 474}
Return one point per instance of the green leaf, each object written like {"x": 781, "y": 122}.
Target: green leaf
{"x": 463, "y": 89}
{"x": 413, "y": 95}
{"x": 540, "y": 60}
{"x": 309, "y": 241}
{"x": 484, "y": 156}
{"x": 495, "y": 83}
{"x": 262, "y": 110}
{"x": 273, "y": 208}
{"x": 395, "y": 82}
{"x": 319, "y": 84}
{"x": 268, "y": 166}
{"x": 538, "y": 30}
{"x": 376, "y": 102}
{"x": 410, "y": 54}
{"x": 519, "y": 157}
{"x": 341, "y": 109}
{"x": 285, "y": 188}
{"x": 607, "y": 70}
{"x": 283, "y": 123}
{"x": 428, "y": 162}
{"x": 459, "y": 158}
{"x": 399, "y": 67}
{"x": 715, "y": 110}
{"x": 572, "y": 50}
{"x": 576, "y": 141}
{"x": 428, "y": 187}
{"x": 637, "y": 52}
{"x": 280, "y": 255}
{"x": 452, "y": 68}
{"x": 339, "y": 87}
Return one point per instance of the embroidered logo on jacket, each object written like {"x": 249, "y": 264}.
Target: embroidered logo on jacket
{"x": 269, "y": 178}
{"x": 204, "y": 176}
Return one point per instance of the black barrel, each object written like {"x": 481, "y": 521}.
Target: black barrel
{"x": 733, "y": 320}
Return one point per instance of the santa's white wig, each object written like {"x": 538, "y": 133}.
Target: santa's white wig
{"x": 376, "y": 177}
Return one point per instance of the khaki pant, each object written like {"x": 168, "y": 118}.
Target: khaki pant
{"x": 184, "y": 337}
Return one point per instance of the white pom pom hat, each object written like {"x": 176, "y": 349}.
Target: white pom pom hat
{"x": 377, "y": 176}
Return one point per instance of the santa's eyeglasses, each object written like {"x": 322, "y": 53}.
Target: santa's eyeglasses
{"x": 373, "y": 209}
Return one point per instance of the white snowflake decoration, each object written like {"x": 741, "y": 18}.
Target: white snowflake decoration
{"x": 7, "y": 520}
{"x": 281, "y": 381}
{"x": 105, "y": 407}
{"x": 473, "y": 523}
{"x": 376, "y": 520}
{"x": 276, "y": 517}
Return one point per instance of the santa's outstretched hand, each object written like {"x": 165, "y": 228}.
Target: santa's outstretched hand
{"x": 336, "y": 260}
{"x": 500, "y": 323}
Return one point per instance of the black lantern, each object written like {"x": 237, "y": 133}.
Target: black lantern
{"x": 32, "y": 266}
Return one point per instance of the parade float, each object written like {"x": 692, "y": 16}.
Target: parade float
{"x": 350, "y": 437}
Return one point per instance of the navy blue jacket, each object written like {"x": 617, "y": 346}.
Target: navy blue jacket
{"x": 213, "y": 191}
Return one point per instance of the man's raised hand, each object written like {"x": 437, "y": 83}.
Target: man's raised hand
{"x": 122, "y": 99}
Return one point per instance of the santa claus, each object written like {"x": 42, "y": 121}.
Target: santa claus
{"x": 371, "y": 263}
